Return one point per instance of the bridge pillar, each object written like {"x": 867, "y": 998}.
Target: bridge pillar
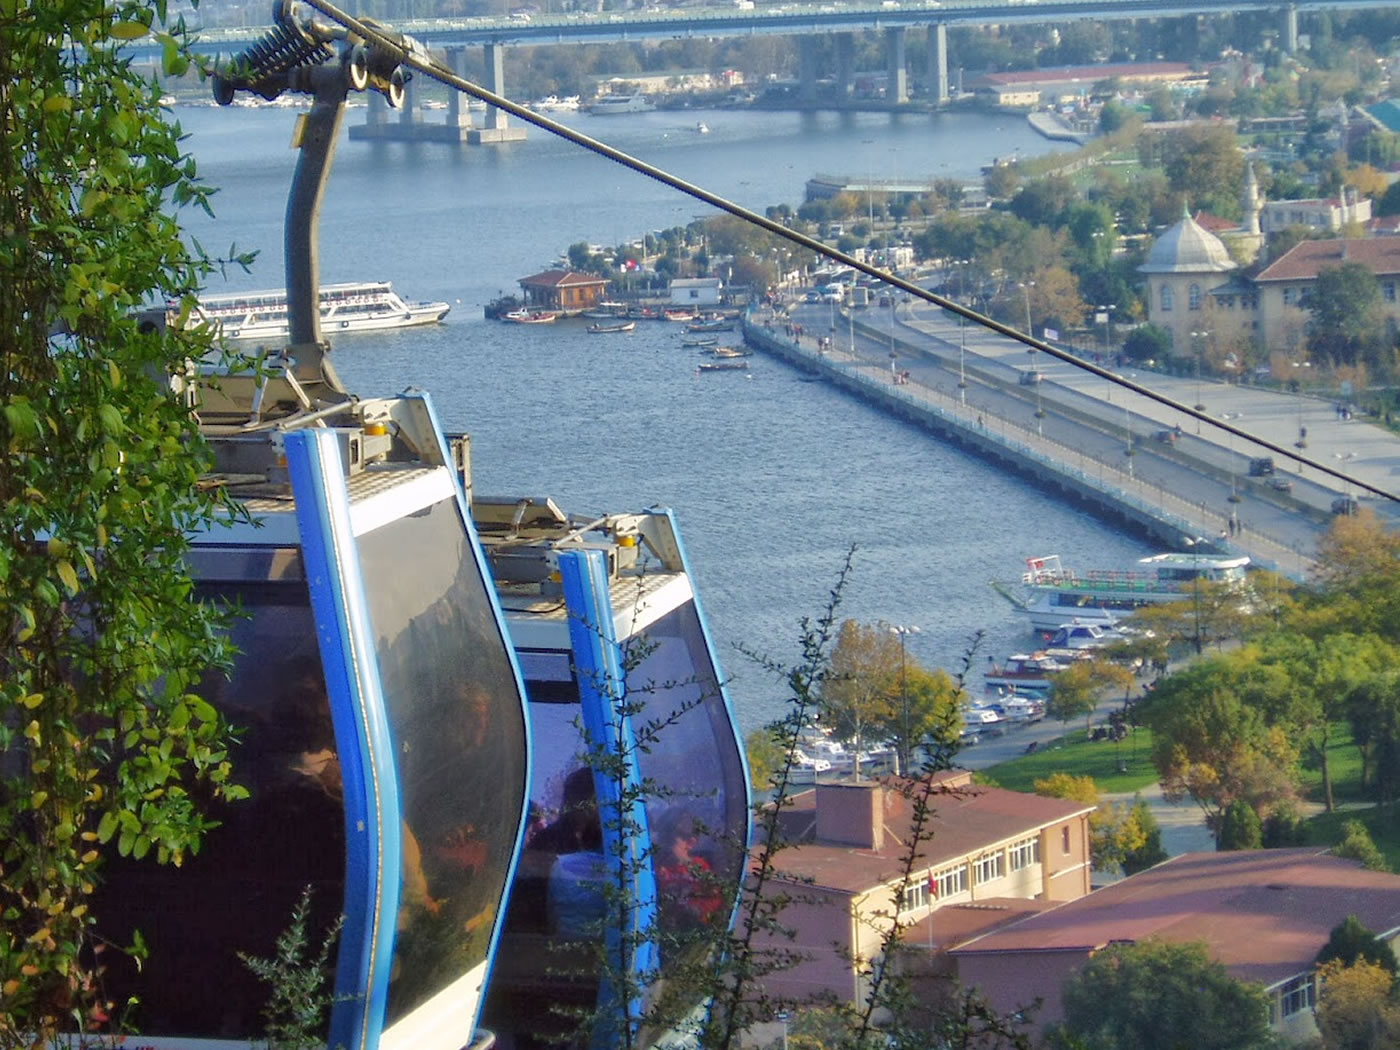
{"x": 897, "y": 84}
{"x": 807, "y": 68}
{"x": 458, "y": 115}
{"x": 1289, "y": 30}
{"x": 845, "y": 64}
{"x": 410, "y": 112}
{"x": 938, "y": 62}
{"x": 497, "y": 127}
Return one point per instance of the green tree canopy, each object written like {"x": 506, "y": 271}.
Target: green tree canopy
{"x": 103, "y": 746}
{"x": 1155, "y": 995}
{"x": 1346, "y": 319}
{"x": 1351, "y": 941}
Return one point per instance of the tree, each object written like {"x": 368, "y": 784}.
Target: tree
{"x": 1346, "y": 316}
{"x": 1351, "y": 942}
{"x": 1373, "y": 711}
{"x": 1154, "y": 995}
{"x": 1115, "y": 832}
{"x": 1213, "y": 746}
{"x": 924, "y": 707}
{"x": 1240, "y": 828}
{"x": 1205, "y": 164}
{"x": 855, "y": 695}
{"x": 102, "y": 743}
{"x": 1356, "y": 1007}
{"x": 1148, "y": 342}
{"x": 1150, "y": 853}
{"x": 1076, "y": 690}
{"x": 1357, "y": 845}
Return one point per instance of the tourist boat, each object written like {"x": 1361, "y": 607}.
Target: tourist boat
{"x": 625, "y": 326}
{"x": 353, "y": 307}
{"x": 612, "y": 104}
{"x": 530, "y": 317}
{"x": 1023, "y": 673}
{"x": 1055, "y": 595}
{"x": 722, "y": 366}
{"x": 555, "y": 104}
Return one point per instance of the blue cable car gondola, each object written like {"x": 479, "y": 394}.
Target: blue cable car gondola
{"x": 623, "y": 690}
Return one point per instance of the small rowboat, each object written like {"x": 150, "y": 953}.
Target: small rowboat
{"x": 625, "y": 326}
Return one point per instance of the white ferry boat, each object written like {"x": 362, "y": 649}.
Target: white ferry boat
{"x": 350, "y": 307}
{"x": 1056, "y": 595}
{"x": 621, "y": 104}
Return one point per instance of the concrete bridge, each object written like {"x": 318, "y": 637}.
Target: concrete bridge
{"x": 807, "y": 21}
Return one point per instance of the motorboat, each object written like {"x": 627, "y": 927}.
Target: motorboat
{"x": 624, "y": 326}
{"x": 1055, "y": 595}
{"x": 605, "y": 311}
{"x": 530, "y": 317}
{"x": 1081, "y": 636}
{"x": 806, "y": 768}
{"x": 1023, "y": 673}
{"x": 362, "y": 306}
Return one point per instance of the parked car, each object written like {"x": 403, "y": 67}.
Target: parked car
{"x": 1281, "y": 484}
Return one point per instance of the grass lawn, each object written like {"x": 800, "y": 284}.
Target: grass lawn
{"x": 1325, "y": 829}
{"x": 1082, "y": 757}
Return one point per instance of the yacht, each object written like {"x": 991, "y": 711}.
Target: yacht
{"x": 351, "y": 307}
{"x": 610, "y": 104}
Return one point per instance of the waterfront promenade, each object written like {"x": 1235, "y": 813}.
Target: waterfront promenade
{"x": 1072, "y": 430}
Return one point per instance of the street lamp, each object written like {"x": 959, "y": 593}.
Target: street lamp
{"x": 1198, "y": 341}
{"x": 1195, "y": 544}
{"x": 906, "y": 749}
{"x": 962, "y": 359}
{"x": 1104, "y": 313}
{"x": 1026, "y": 287}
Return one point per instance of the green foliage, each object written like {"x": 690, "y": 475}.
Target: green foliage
{"x": 1240, "y": 828}
{"x": 1077, "y": 754}
{"x": 1154, "y": 995}
{"x": 1150, "y": 852}
{"x": 102, "y": 740}
{"x": 1148, "y": 342}
{"x": 1357, "y": 844}
{"x": 1346, "y": 317}
{"x": 1350, "y": 941}
{"x": 298, "y": 982}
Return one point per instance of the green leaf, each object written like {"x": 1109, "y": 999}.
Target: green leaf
{"x": 111, "y": 419}
{"x": 107, "y": 827}
{"x": 68, "y": 575}
{"x": 129, "y": 31}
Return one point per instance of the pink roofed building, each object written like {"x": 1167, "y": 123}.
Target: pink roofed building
{"x": 988, "y": 856}
{"x": 1263, "y": 914}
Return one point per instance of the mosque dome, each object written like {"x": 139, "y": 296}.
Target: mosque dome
{"x": 1188, "y": 248}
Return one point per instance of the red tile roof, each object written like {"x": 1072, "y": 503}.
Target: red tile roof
{"x": 955, "y": 923}
{"x": 1306, "y": 259}
{"x": 967, "y": 819}
{"x": 1092, "y": 74}
{"x": 1263, "y": 913}
{"x": 561, "y": 279}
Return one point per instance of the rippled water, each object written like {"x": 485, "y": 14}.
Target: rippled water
{"x": 773, "y": 477}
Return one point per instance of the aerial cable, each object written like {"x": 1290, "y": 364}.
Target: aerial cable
{"x": 413, "y": 55}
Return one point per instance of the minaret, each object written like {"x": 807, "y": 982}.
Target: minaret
{"x": 1250, "y": 202}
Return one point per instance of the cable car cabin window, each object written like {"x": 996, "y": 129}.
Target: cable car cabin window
{"x": 454, "y": 714}
{"x": 236, "y": 895}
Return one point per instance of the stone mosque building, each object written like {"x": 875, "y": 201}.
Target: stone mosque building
{"x": 1199, "y": 295}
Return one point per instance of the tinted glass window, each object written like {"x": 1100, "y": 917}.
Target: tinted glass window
{"x": 457, "y": 723}
{"x": 237, "y": 894}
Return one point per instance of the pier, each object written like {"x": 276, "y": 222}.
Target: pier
{"x": 913, "y": 372}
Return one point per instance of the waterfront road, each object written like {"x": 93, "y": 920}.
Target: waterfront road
{"x": 1089, "y": 423}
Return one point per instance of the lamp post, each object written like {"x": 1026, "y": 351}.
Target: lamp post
{"x": 1198, "y": 341}
{"x": 1195, "y": 544}
{"x": 905, "y": 749}
{"x": 962, "y": 359}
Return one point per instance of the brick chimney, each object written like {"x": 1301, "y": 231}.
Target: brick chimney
{"x": 851, "y": 815}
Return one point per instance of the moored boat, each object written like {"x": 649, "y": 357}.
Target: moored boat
{"x": 1023, "y": 673}
{"x": 703, "y": 342}
{"x": 728, "y": 353}
{"x": 530, "y": 317}
{"x": 1056, "y": 595}
{"x": 625, "y": 326}
{"x": 722, "y": 366}
{"x": 680, "y": 315}
{"x": 611, "y": 104}
{"x": 360, "y": 306}
{"x": 719, "y": 324}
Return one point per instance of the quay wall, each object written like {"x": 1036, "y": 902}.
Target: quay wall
{"x": 1001, "y": 445}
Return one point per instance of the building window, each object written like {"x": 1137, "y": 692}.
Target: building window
{"x": 1290, "y": 296}
{"x": 1064, "y": 838}
{"x": 1297, "y": 995}
{"x": 988, "y": 868}
{"x": 1388, "y": 291}
{"x": 915, "y": 896}
{"x": 1193, "y": 297}
{"x": 949, "y": 882}
{"x": 1025, "y": 853}
{"x": 1166, "y": 298}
